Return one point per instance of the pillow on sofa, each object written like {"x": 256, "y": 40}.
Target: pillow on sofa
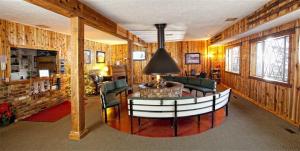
{"x": 121, "y": 83}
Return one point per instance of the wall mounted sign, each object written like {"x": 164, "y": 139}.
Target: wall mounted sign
{"x": 192, "y": 58}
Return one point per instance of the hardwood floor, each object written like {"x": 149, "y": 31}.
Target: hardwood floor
{"x": 161, "y": 127}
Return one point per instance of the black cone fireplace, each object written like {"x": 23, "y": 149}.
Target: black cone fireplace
{"x": 161, "y": 63}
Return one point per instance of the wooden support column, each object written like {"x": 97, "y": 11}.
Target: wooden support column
{"x": 77, "y": 80}
{"x": 130, "y": 62}
{"x": 296, "y": 78}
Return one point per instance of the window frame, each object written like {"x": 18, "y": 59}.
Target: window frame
{"x": 240, "y": 58}
{"x": 290, "y": 33}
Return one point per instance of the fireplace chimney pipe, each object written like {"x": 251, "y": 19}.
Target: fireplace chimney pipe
{"x": 161, "y": 35}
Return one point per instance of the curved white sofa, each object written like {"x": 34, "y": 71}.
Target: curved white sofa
{"x": 177, "y": 107}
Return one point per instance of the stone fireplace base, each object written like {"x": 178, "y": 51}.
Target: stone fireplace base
{"x": 171, "y": 89}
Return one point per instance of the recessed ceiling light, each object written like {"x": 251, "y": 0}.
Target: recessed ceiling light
{"x": 42, "y": 26}
{"x": 231, "y": 19}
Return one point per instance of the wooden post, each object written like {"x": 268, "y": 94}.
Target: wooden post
{"x": 77, "y": 80}
{"x": 130, "y": 63}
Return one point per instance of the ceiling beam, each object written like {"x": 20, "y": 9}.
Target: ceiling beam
{"x": 73, "y": 8}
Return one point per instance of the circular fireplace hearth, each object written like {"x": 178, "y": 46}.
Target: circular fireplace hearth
{"x": 169, "y": 89}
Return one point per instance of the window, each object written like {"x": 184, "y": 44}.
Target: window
{"x": 233, "y": 59}
{"x": 270, "y": 59}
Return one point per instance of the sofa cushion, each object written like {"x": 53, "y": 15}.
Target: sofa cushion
{"x": 121, "y": 83}
{"x": 111, "y": 100}
{"x": 207, "y": 83}
{"x": 176, "y": 79}
{"x": 109, "y": 86}
{"x": 118, "y": 90}
{"x": 205, "y": 90}
{"x": 184, "y": 80}
{"x": 194, "y": 87}
{"x": 194, "y": 81}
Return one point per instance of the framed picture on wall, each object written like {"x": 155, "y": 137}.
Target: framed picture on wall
{"x": 100, "y": 57}
{"x": 192, "y": 58}
{"x": 87, "y": 56}
{"x": 138, "y": 55}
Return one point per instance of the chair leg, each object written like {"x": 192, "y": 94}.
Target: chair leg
{"x": 226, "y": 108}
{"x": 175, "y": 126}
{"x": 131, "y": 124}
{"x": 198, "y": 119}
{"x": 204, "y": 94}
{"x": 196, "y": 93}
{"x": 105, "y": 115}
{"x": 119, "y": 112}
{"x": 212, "y": 119}
{"x": 139, "y": 121}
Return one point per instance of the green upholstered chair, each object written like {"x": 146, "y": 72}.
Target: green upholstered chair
{"x": 108, "y": 98}
{"x": 121, "y": 86}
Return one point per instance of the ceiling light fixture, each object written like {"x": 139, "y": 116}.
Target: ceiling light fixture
{"x": 42, "y": 26}
{"x": 231, "y": 19}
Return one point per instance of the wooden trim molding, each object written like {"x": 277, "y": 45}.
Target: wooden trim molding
{"x": 271, "y": 81}
{"x": 277, "y": 34}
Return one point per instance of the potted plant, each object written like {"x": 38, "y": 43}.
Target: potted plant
{"x": 7, "y": 114}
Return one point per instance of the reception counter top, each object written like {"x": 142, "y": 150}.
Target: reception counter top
{"x": 28, "y": 80}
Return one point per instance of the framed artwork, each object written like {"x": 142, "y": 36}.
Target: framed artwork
{"x": 87, "y": 56}
{"x": 138, "y": 55}
{"x": 100, "y": 57}
{"x": 192, "y": 58}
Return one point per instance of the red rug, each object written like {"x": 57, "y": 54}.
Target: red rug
{"x": 52, "y": 114}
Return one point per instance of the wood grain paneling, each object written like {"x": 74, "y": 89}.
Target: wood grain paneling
{"x": 18, "y": 35}
{"x": 94, "y": 47}
{"x": 270, "y": 11}
{"x": 281, "y": 100}
{"x": 177, "y": 51}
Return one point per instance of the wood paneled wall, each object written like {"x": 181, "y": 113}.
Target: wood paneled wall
{"x": 283, "y": 101}
{"x": 18, "y": 35}
{"x": 270, "y": 11}
{"x": 94, "y": 47}
{"x": 138, "y": 66}
{"x": 178, "y": 51}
